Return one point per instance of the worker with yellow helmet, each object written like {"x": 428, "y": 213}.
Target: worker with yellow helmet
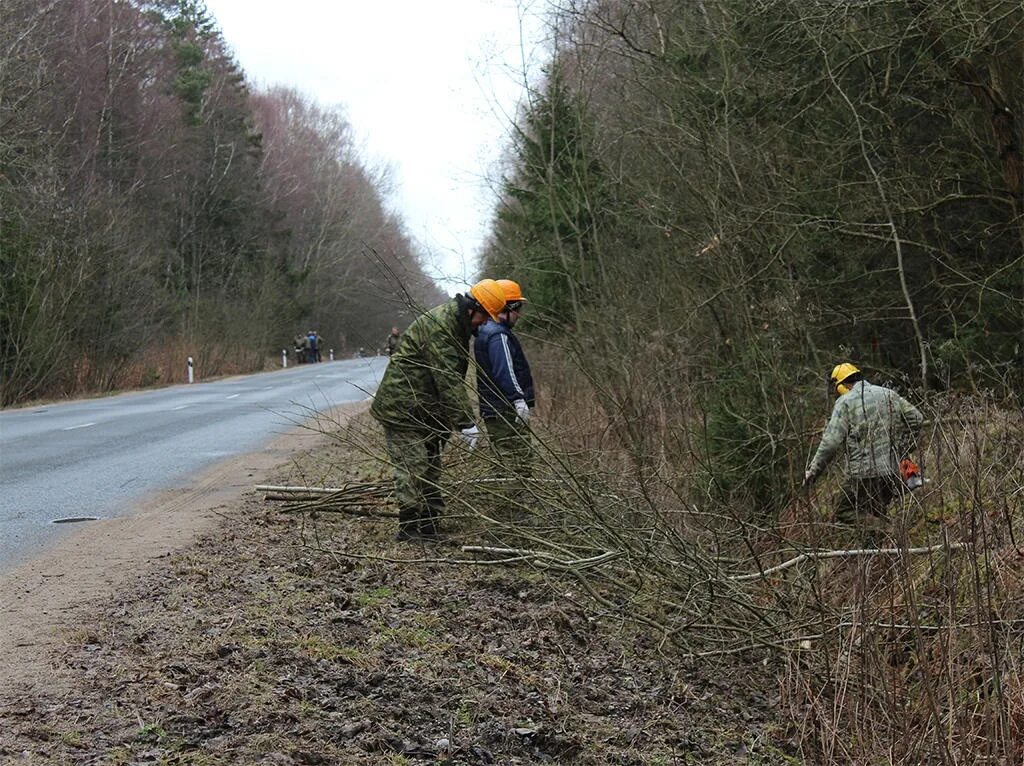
{"x": 422, "y": 398}
{"x": 876, "y": 428}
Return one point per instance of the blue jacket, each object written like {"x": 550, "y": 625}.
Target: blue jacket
{"x": 503, "y": 374}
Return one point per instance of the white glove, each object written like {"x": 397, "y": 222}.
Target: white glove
{"x": 522, "y": 410}
{"x": 470, "y": 436}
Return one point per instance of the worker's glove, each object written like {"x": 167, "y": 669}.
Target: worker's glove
{"x": 470, "y": 436}
{"x": 522, "y": 410}
{"x": 808, "y": 479}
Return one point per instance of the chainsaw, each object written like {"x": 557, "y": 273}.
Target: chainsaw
{"x": 910, "y": 472}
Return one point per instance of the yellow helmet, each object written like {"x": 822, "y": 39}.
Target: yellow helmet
{"x": 512, "y": 290}
{"x": 840, "y": 373}
{"x": 490, "y": 296}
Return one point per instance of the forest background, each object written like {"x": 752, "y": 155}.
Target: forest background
{"x": 708, "y": 205}
{"x": 711, "y": 204}
{"x": 153, "y": 206}
{"x": 797, "y": 180}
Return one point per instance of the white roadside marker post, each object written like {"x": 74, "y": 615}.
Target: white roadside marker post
{"x": 191, "y": 372}
{"x": 284, "y": 358}
{"x": 332, "y": 354}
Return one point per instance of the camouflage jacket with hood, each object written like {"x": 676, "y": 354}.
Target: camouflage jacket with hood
{"x": 424, "y": 386}
{"x": 876, "y": 426}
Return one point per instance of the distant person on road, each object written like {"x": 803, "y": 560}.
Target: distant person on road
{"x": 876, "y": 427}
{"x": 311, "y": 347}
{"x": 302, "y": 348}
{"x": 392, "y": 341}
{"x": 504, "y": 387}
{"x": 422, "y": 399}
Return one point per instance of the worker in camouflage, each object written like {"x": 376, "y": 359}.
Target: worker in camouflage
{"x": 422, "y": 399}
{"x": 877, "y": 427}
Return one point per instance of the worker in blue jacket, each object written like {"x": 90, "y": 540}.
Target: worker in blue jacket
{"x": 505, "y": 386}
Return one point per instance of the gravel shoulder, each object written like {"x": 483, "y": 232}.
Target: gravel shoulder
{"x": 246, "y": 635}
{"x": 80, "y": 575}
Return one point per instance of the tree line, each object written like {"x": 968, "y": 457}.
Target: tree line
{"x": 152, "y": 204}
{"x": 723, "y": 200}
{"x": 708, "y": 206}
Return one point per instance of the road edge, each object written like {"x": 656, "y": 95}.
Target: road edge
{"x": 43, "y": 597}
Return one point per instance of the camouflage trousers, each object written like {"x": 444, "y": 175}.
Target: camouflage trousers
{"x": 866, "y": 501}
{"x": 512, "y": 445}
{"x": 415, "y": 457}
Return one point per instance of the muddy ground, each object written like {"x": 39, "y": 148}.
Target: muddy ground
{"x": 272, "y": 640}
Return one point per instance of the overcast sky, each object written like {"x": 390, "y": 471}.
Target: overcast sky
{"x": 429, "y": 88}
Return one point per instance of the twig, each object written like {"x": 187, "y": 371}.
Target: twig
{"x": 327, "y": 508}
{"x": 544, "y": 559}
{"x": 299, "y": 490}
{"x": 839, "y": 554}
{"x": 425, "y": 560}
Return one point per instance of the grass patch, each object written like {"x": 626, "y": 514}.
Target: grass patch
{"x": 374, "y": 598}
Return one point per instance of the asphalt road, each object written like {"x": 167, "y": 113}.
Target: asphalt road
{"x": 95, "y": 457}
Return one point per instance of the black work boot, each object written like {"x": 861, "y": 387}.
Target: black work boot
{"x": 408, "y": 526}
{"x": 416, "y": 527}
{"x": 428, "y": 531}
{"x": 427, "y": 534}
{"x": 429, "y": 522}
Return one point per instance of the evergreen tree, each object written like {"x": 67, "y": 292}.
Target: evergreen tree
{"x": 547, "y": 227}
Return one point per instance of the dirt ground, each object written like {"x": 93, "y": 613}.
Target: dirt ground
{"x": 262, "y": 637}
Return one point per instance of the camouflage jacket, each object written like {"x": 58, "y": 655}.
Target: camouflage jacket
{"x": 876, "y": 426}
{"x": 424, "y": 385}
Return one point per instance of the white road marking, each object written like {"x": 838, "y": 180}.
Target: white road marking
{"x": 232, "y": 396}
{"x": 180, "y": 407}
{"x": 83, "y": 425}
